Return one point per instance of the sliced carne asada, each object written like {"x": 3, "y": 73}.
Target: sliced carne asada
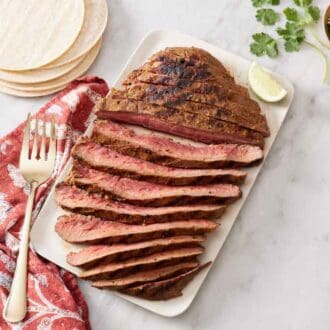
{"x": 166, "y": 151}
{"x": 150, "y": 194}
{"x": 90, "y": 255}
{"x": 166, "y": 289}
{"x": 80, "y": 201}
{"x": 106, "y": 159}
{"x": 177, "y": 122}
{"x": 171, "y": 97}
{"x": 143, "y": 201}
{"x": 77, "y": 228}
{"x": 146, "y": 276}
{"x": 118, "y": 269}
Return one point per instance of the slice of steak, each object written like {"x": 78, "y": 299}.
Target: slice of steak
{"x": 106, "y": 159}
{"x": 219, "y": 90}
{"x": 166, "y": 151}
{"x": 80, "y": 201}
{"x": 77, "y": 228}
{"x": 118, "y": 269}
{"x": 166, "y": 289}
{"x": 91, "y": 255}
{"x": 146, "y": 276}
{"x": 150, "y": 194}
{"x": 177, "y": 122}
{"x": 172, "y": 97}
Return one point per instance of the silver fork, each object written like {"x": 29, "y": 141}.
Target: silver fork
{"x": 35, "y": 171}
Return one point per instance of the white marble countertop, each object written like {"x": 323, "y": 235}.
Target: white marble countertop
{"x": 273, "y": 272}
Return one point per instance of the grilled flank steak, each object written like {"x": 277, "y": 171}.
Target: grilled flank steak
{"x": 142, "y": 202}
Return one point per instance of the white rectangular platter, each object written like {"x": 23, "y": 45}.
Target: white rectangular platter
{"x": 49, "y": 245}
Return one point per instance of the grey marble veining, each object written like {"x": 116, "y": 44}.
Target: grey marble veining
{"x": 274, "y": 269}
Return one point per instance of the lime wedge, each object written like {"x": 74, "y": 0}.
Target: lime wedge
{"x": 264, "y": 85}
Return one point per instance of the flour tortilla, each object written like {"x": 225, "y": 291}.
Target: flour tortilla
{"x": 34, "y": 33}
{"x": 14, "y": 92}
{"x": 95, "y": 21}
{"x": 39, "y": 75}
{"x": 59, "y": 82}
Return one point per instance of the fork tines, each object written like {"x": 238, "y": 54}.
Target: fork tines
{"x": 43, "y": 155}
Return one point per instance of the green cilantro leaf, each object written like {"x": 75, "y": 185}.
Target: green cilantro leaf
{"x": 293, "y": 35}
{"x": 267, "y": 16}
{"x": 314, "y": 13}
{"x": 260, "y": 3}
{"x": 291, "y": 45}
{"x": 264, "y": 44}
{"x": 291, "y": 14}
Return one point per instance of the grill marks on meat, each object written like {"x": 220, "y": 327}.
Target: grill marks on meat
{"x": 185, "y": 100}
{"x": 146, "y": 276}
{"x": 190, "y": 57}
{"x": 168, "y": 95}
{"x": 199, "y": 70}
{"x": 106, "y": 159}
{"x": 78, "y": 200}
{"x": 118, "y": 269}
{"x": 217, "y": 89}
{"x": 177, "y": 122}
{"x": 165, "y": 151}
{"x": 77, "y": 228}
{"x": 166, "y": 289}
{"x": 170, "y": 57}
{"x": 184, "y": 68}
{"x": 108, "y": 253}
{"x": 150, "y": 194}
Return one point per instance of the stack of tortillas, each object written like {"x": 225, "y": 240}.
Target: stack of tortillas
{"x": 46, "y": 44}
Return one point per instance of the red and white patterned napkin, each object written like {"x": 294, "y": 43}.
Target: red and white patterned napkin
{"x": 54, "y": 299}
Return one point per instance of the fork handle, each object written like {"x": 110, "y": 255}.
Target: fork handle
{"x": 16, "y": 304}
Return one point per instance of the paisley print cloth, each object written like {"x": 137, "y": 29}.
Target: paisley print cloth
{"x": 54, "y": 299}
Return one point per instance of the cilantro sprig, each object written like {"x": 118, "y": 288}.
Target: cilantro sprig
{"x": 311, "y": 15}
{"x": 299, "y": 20}
{"x": 293, "y": 36}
